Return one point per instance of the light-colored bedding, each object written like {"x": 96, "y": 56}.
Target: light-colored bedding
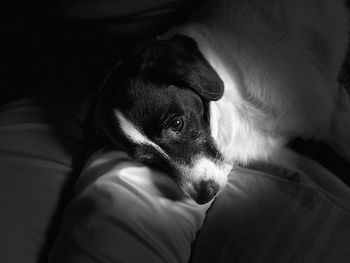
{"x": 124, "y": 211}
{"x": 127, "y": 212}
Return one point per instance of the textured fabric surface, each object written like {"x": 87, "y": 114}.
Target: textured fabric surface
{"x": 261, "y": 217}
{"x": 124, "y": 211}
{"x": 37, "y": 163}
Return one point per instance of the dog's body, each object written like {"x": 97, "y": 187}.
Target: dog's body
{"x": 233, "y": 85}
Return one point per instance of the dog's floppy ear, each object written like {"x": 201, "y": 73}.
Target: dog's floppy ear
{"x": 179, "y": 62}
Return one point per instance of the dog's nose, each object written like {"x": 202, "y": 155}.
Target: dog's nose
{"x": 204, "y": 191}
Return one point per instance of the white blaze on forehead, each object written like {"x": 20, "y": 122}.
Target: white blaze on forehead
{"x": 134, "y": 133}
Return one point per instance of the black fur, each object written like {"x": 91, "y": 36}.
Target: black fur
{"x": 179, "y": 62}
{"x": 162, "y": 80}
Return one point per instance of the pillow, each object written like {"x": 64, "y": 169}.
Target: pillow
{"x": 37, "y": 171}
{"x": 124, "y": 211}
{"x": 283, "y": 217}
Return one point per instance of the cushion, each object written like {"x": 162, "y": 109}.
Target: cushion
{"x": 124, "y": 211}
{"x": 269, "y": 217}
{"x": 37, "y": 170}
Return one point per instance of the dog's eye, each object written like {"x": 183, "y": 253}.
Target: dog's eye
{"x": 176, "y": 125}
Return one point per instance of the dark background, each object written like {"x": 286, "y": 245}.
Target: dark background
{"x": 62, "y": 49}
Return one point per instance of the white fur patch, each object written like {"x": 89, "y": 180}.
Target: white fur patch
{"x": 203, "y": 169}
{"x": 135, "y": 134}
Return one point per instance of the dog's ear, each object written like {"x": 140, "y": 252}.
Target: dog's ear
{"x": 179, "y": 62}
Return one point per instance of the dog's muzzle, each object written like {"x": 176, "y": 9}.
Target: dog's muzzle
{"x": 204, "y": 179}
{"x": 204, "y": 191}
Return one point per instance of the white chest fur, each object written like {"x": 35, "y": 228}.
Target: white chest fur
{"x": 237, "y": 137}
{"x": 238, "y": 128}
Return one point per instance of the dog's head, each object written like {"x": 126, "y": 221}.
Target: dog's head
{"x": 157, "y": 102}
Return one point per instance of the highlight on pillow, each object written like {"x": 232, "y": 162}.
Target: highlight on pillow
{"x": 37, "y": 165}
{"x": 124, "y": 211}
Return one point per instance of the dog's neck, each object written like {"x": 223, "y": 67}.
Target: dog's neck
{"x": 234, "y": 119}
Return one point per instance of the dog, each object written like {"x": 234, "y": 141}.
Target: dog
{"x": 232, "y": 84}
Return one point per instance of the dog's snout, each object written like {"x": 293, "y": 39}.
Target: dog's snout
{"x": 204, "y": 191}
